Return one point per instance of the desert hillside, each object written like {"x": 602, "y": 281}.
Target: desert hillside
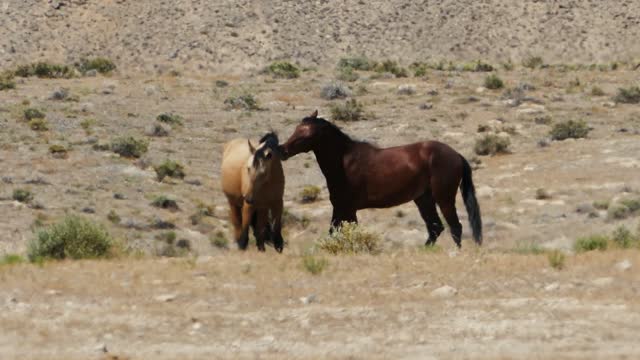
{"x": 235, "y": 36}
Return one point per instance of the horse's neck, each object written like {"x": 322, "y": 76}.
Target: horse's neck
{"x": 331, "y": 161}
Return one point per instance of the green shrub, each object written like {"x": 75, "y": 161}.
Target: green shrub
{"x": 569, "y": 129}
{"x": 480, "y": 66}
{"x": 528, "y": 248}
{"x": 493, "y": 82}
{"x": 32, "y": 113}
{"x": 350, "y": 238}
{"x": 589, "y": 243}
{"x": 355, "y": 63}
{"x": 623, "y": 238}
{"x": 45, "y": 70}
{"x": 6, "y": 82}
{"x": 533, "y": 62}
{"x": 165, "y": 203}
{"x": 419, "y": 69}
{"x": 335, "y": 90}
{"x": 601, "y": 204}
{"x": 169, "y": 118}
{"x": 597, "y": 91}
{"x": 351, "y": 110}
{"x": 99, "y": 64}
{"x": 22, "y": 195}
{"x": 169, "y": 237}
{"x": 390, "y": 66}
{"x": 556, "y": 259}
{"x": 113, "y": 217}
{"x": 630, "y": 95}
{"x": 347, "y": 74}
{"x": 309, "y": 194}
{"x": 39, "y": 125}
{"x": 221, "y": 83}
{"x": 314, "y": 265}
{"x": 11, "y": 259}
{"x": 283, "y": 70}
{"x": 632, "y": 204}
{"x": 492, "y": 144}
{"x": 169, "y": 168}
{"x": 74, "y": 237}
{"x": 219, "y": 241}
{"x": 129, "y": 147}
{"x": 243, "y": 102}
{"x": 618, "y": 212}
{"x": 58, "y": 151}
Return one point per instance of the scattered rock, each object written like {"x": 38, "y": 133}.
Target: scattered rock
{"x": 102, "y": 348}
{"x": 87, "y": 107}
{"x": 89, "y": 210}
{"x": 445, "y": 291}
{"x": 425, "y": 106}
{"x": 194, "y": 182}
{"x": 108, "y": 89}
{"x": 91, "y": 73}
{"x": 552, "y": 287}
{"x": 623, "y": 265}
{"x": 308, "y": 299}
{"x": 59, "y": 94}
{"x": 166, "y": 297}
{"x": 7, "y": 180}
{"x": 158, "y": 223}
{"x": 406, "y": 89}
{"x": 603, "y": 281}
{"x": 119, "y": 196}
{"x": 609, "y": 104}
{"x": 157, "y": 130}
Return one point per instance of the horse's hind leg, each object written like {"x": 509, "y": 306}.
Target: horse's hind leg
{"x": 429, "y": 213}
{"x": 235, "y": 215}
{"x": 448, "y": 208}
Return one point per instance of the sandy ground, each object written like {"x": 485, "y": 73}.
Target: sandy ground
{"x": 264, "y": 306}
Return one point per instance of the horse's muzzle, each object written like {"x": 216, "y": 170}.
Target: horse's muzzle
{"x": 284, "y": 155}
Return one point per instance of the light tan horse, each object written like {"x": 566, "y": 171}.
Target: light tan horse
{"x": 253, "y": 181}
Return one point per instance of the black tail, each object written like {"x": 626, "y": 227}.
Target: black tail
{"x": 470, "y": 201}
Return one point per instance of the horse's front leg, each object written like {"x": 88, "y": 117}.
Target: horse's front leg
{"x": 247, "y": 217}
{"x": 340, "y": 215}
{"x": 261, "y": 227}
{"x": 276, "y": 232}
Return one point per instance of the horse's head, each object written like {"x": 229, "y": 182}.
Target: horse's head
{"x": 260, "y": 164}
{"x": 306, "y": 136}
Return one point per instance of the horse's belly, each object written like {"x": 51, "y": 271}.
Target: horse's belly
{"x": 393, "y": 194}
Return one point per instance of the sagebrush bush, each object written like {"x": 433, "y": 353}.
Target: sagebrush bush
{"x": 493, "y": 82}
{"x": 623, "y": 237}
{"x": 283, "y": 70}
{"x": 314, "y": 265}
{"x": 170, "y": 118}
{"x": 533, "y": 62}
{"x": 6, "y": 82}
{"x": 22, "y": 195}
{"x": 351, "y": 110}
{"x": 242, "y": 102}
{"x": 11, "y": 259}
{"x": 569, "y": 130}
{"x": 630, "y": 95}
{"x": 335, "y": 90}
{"x": 556, "y": 259}
{"x": 309, "y": 194}
{"x": 618, "y": 212}
{"x": 589, "y": 243}
{"x": 390, "y": 66}
{"x": 169, "y": 168}
{"x": 597, "y": 91}
{"x": 355, "y": 63}
{"x": 219, "y": 241}
{"x": 45, "y": 70}
{"x": 632, "y": 204}
{"x": 165, "y": 203}
{"x": 39, "y": 124}
{"x": 99, "y": 64}
{"x": 350, "y": 238}
{"x": 347, "y": 74}
{"x": 32, "y": 113}
{"x": 74, "y": 237}
{"x": 492, "y": 144}
{"x": 129, "y": 147}
{"x": 58, "y": 151}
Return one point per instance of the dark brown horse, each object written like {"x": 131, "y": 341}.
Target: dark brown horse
{"x": 360, "y": 175}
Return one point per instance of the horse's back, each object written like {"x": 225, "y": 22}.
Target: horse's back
{"x": 235, "y": 155}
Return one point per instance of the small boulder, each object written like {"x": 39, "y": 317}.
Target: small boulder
{"x": 445, "y": 291}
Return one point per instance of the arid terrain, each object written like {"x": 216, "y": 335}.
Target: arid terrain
{"x": 506, "y": 299}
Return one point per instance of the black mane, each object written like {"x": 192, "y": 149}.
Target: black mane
{"x": 316, "y": 121}
{"x": 271, "y": 141}
{"x": 271, "y": 138}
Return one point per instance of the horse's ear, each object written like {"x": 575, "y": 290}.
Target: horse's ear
{"x": 251, "y": 148}
{"x": 314, "y": 114}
